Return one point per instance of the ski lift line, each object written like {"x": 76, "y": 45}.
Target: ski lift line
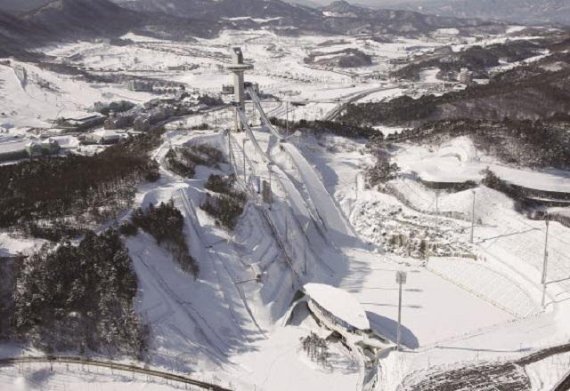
{"x": 240, "y": 293}
{"x": 264, "y": 118}
{"x": 234, "y": 166}
{"x": 265, "y": 157}
{"x": 282, "y": 246}
{"x": 278, "y": 174}
{"x": 250, "y": 135}
{"x": 278, "y": 134}
{"x": 235, "y": 144}
{"x": 276, "y": 235}
{"x": 264, "y": 213}
{"x": 297, "y": 224}
{"x": 310, "y": 206}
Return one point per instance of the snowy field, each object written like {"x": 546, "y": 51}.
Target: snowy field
{"x": 61, "y": 377}
{"x": 459, "y": 161}
{"x": 463, "y": 302}
{"x": 499, "y": 286}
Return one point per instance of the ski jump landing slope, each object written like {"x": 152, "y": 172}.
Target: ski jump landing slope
{"x": 334, "y": 219}
{"x": 327, "y": 209}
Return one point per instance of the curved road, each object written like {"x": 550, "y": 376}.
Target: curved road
{"x": 351, "y": 98}
{"x": 113, "y": 365}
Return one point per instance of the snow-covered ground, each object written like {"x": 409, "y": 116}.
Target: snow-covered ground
{"x": 463, "y": 302}
{"x": 544, "y": 375}
{"x": 459, "y": 161}
{"x": 11, "y": 245}
{"x": 61, "y": 377}
{"x": 504, "y": 273}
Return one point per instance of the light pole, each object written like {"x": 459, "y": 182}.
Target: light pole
{"x": 473, "y": 218}
{"x": 356, "y": 184}
{"x": 401, "y": 280}
{"x": 545, "y": 263}
{"x": 243, "y": 150}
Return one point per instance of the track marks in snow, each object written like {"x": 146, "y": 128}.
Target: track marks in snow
{"x": 496, "y": 288}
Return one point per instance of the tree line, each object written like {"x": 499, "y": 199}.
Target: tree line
{"x": 78, "y": 298}
{"x": 166, "y": 224}
{"x": 75, "y": 191}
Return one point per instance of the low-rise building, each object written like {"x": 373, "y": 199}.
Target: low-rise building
{"x": 465, "y": 76}
{"x": 340, "y": 312}
{"x": 105, "y": 137}
{"x": 80, "y": 120}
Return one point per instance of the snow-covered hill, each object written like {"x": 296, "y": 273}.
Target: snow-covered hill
{"x": 232, "y": 325}
{"x": 516, "y": 11}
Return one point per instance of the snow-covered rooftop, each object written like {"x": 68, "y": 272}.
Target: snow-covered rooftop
{"x": 339, "y": 303}
{"x": 12, "y": 146}
{"x": 78, "y": 115}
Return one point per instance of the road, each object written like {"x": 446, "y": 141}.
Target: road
{"x": 351, "y": 98}
{"x": 112, "y": 365}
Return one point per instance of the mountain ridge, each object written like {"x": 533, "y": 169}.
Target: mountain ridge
{"x": 517, "y": 11}
{"x": 65, "y": 20}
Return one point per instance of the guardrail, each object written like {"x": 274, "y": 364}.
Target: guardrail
{"x": 113, "y": 365}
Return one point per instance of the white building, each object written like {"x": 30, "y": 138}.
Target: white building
{"x": 338, "y": 311}
{"x": 337, "y": 305}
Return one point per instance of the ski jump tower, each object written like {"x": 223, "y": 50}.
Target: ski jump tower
{"x": 238, "y": 69}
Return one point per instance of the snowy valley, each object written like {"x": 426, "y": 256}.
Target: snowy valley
{"x": 158, "y": 234}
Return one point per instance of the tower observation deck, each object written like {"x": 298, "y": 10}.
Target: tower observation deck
{"x": 238, "y": 68}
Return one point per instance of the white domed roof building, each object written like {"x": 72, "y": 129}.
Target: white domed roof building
{"x": 339, "y": 312}
{"x": 338, "y": 305}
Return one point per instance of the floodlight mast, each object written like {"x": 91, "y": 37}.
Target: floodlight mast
{"x": 545, "y": 263}
{"x": 401, "y": 280}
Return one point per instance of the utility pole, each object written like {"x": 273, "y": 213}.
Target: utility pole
{"x": 401, "y": 280}
{"x": 473, "y": 218}
{"x": 545, "y": 263}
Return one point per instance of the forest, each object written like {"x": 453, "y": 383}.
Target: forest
{"x": 318, "y": 127}
{"x": 78, "y": 298}
{"x": 536, "y": 144}
{"x": 520, "y": 94}
{"x": 184, "y": 160}
{"x": 224, "y": 203}
{"x": 55, "y": 197}
{"x": 476, "y": 59}
{"x": 166, "y": 224}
